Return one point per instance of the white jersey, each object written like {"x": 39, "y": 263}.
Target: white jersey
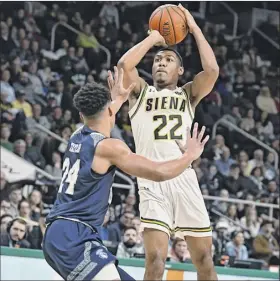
{"x": 158, "y": 119}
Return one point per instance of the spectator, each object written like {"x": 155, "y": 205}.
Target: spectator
{"x": 265, "y": 102}
{"x": 234, "y": 223}
{"x": 129, "y": 247}
{"x": 265, "y": 128}
{"x": 24, "y": 85}
{"x": 179, "y": 251}
{"x": 248, "y": 122}
{"x": 225, "y": 162}
{"x": 21, "y": 103}
{"x": 5, "y": 135}
{"x": 250, "y": 222}
{"x": 257, "y": 161}
{"x": 5, "y": 207}
{"x": 220, "y": 238}
{"x": 6, "y": 87}
{"x": 15, "y": 196}
{"x": 110, "y": 12}
{"x": 36, "y": 83}
{"x": 56, "y": 168}
{"x": 125, "y": 222}
{"x": 4, "y": 221}
{"x": 265, "y": 245}
{"x": 33, "y": 153}
{"x": 236, "y": 247}
{"x": 15, "y": 235}
{"x": 36, "y": 205}
{"x": 136, "y": 222}
{"x": 257, "y": 178}
{"x": 6, "y": 41}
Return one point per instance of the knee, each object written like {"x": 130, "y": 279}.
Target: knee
{"x": 156, "y": 262}
{"x": 204, "y": 261}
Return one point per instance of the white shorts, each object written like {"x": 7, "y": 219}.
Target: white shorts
{"x": 174, "y": 206}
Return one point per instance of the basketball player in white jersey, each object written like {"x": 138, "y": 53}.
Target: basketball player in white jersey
{"x": 160, "y": 114}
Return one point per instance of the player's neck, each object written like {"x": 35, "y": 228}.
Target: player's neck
{"x": 160, "y": 86}
{"x": 99, "y": 126}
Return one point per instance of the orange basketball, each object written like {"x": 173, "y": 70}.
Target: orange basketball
{"x": 171, "y": 23}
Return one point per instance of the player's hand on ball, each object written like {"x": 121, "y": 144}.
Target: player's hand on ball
{"x": 158, "y": 38}
{"x": 195, "y": 144}
{"x": 190, "y": 20}
{"x": 115, "y": 84}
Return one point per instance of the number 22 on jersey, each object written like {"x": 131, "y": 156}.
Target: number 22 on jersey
{"x": 69, "y": 176}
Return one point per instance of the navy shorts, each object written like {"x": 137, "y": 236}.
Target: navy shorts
{"x": 74, "y": 251}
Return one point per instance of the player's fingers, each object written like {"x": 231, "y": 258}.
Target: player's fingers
{"x": 201, "y": 133}
{"x": 181, "y": 147}
{"x": 121, "y": 76}
{"x": 195, "y": 130}
{"x": 116, "y": 74}
{"x": 110, "y": 79}
{"x": 205, "y": 140}
{"x": 131, "y": 87}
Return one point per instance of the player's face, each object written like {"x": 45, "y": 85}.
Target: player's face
{"x": 166, "y": 68}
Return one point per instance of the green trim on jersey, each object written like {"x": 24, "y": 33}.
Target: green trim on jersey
{"x": 141, "y": 99}
{"x": 189, "y": 103}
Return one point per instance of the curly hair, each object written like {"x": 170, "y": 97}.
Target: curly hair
{"x": 91, "y": 99}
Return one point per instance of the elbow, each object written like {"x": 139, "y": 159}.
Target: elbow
{"x": 160, "y": 176}
{"x": 122, "y": 63}
{"x": 213, "y": 70}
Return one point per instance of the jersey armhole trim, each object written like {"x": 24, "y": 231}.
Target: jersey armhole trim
{"x": 188, "y": 97}
{"x": 93, "y": 173}
{"x": 138, "y": 102}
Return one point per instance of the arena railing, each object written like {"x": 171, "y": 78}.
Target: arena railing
{"x": 267, "y": 38}
{"x": 74, "y": 30}
{"x": 271, "y": 207}
{"x": 224, "y": 122}
{"x": 130, "y": 184}
{"x": 235, "y": 18}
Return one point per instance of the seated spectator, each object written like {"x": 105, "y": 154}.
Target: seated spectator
{"x": 236, "y": 248}
{"x": 225, "y": 162}
{"x": 15, "y": 235}
{"x": 119, "y": 226}
{"x": 4, "y": 221}
{"x": 36, "y": 204}
{"x": 265, "y": 102}
{"x": 234, "y": 222}
{"x": 5, "y": 135}
{"x": 222, "y": 206}
{"x": 21, "y": 103}
{"x": 136, "y": 222}
{"x": 6, "y": 87}
{"x": 220, "y": 238}
{"x": 15, "y": 196}
{"x": 55, "y": 169}
{"x": 214, "y": 180}
{"x": 33, "y": 153}
{"x": 248, "y": 122}
{"x": 257, "y": 160}
{"x": 265, "y": 245}
{"x": 179, "y": 251}
{"x": 129, "y": 247}
{"x": 257, "y": 178}
{"x": 34, "y": 79}
{"x": 265, "y": 128}
{"x": 250, "y": 222}
{"x": 4, "y": 206}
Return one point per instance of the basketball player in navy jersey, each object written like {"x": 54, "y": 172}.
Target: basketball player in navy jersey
{"x": 72, "y": 245}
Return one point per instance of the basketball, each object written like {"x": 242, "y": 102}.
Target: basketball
{"x": 171, "y": 23}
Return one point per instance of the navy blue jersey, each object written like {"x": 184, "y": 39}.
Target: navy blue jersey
{"x": 83, "y": 194}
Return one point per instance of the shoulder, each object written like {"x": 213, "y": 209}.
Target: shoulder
{"x": 110, "y": 147}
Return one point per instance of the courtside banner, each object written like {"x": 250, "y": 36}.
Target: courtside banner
{"x": 16, "y": 168}
{"x": 23, "y": 264}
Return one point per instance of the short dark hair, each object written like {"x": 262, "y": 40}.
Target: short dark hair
{"x": 5, "y": 216}
{"x": 174, "y": 51}
{"x": 91, "y": 99}
{"x": 128, "y": 228}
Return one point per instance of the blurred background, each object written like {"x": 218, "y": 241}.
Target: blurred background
{"x": 50, "y": 49}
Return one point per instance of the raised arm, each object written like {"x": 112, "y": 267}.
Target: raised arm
{"x": 204, "y": 81}
{"x": 132, "y": 58}
{"x": 115, "y": 152}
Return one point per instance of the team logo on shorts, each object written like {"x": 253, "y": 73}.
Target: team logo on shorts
{"x": 100, "y": 253}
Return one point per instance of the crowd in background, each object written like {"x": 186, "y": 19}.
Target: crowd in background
{"x": 37, "y": 87}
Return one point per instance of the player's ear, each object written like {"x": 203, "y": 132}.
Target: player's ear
{"x": 181, "y": 70}
{"x": 81, "y": 116}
